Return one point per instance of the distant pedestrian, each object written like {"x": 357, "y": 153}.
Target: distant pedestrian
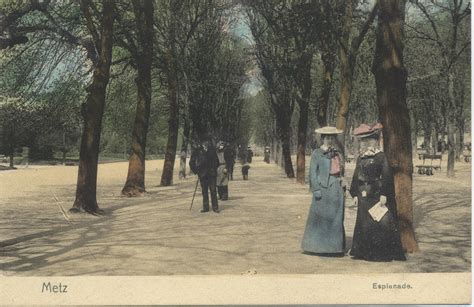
{"x": 249, "y": 154}
{"x": 222, "y": 173}
{"x": 204, "y": 162}
{"x": 266, "y": 154}
{"x": 245, "y": 170}
{"x": 229, "y": 157}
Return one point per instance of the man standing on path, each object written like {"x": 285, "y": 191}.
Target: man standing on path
{"x": 204, "y": 163}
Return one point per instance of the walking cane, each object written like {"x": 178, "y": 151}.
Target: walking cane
{"x": 195, "y": 189}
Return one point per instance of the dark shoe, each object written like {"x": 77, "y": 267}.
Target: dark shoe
{"x": 216, "y": 210}
{"x": 204, "y": 210}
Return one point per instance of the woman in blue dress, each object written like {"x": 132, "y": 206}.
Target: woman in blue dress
{"x": 324, "y": 233}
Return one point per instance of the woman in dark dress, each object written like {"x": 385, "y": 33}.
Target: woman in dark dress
{"x": 372, "y": 183}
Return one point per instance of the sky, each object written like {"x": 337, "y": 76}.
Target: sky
{"x": 253, "y": 86}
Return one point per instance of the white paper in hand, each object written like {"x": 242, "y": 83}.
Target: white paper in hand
{"x": 378, "y": 211}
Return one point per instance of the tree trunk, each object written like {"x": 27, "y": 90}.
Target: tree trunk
{"x": 173, "y": 120}
{"x": 278, "y": 153}
{"x": 92, "y": 111}
{"x": 303, "y": 102}
{"x": 286, "y": 150}
{"x": 434, "y": 139}
{"x": 348, "y": 50}
{"x": 451, "y": 129}
{"x": 275, "y": 151}
{"x": 460, "y": 139}
{"x": 346, "y": 69}
{"x": 11, "y": 161}
{"x": 281, "y": 158}
{"x": 184, "y": 150}
{"x": 272, "y": 151}
{"x": 427, "y": 139}
{"x": 414, "y": 134}
{"x": 390, "y": 78}
{"x": 323, "y": 99}
{"x": 135, "y": 183}
{"x": 451, "y": 149}
{"x": 64, "y": 148}
{"x": 173, "y": 127}
{"x": 301, "y": 152}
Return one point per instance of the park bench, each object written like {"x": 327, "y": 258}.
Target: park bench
{"x": 428, "y": 169}
{"x": 420, "y": 152}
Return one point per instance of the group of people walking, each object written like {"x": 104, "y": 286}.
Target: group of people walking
{"x": 215, "y": 167}
{"x": 376, "y": 233}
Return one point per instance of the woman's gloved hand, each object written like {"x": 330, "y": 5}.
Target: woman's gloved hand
{"x": 356, "y": 201}
{"x": 383, "y": 199}
{"x": 317, "y": 194}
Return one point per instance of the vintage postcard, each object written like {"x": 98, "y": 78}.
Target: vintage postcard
{"x": 235, "y": 152}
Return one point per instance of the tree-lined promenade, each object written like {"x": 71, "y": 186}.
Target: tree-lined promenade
{"x": 150, "y": 78}
{"x": 259, "y": 228}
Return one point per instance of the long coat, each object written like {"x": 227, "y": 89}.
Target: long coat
{"x": 324, "y": 232}
{"x": 375, "y": 241}
{"x": 222, "y": 178}
{"x": 204, "y": 163}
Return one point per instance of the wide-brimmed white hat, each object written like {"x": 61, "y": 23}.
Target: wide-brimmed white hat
{"x": 328, "y": 130}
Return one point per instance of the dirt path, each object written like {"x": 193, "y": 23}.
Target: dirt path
{"x": 259, "y": 228}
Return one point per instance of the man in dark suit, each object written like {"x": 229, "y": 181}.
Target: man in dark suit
{"x": 204, "y": 162}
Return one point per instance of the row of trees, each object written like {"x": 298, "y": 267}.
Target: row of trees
{"x": 342, "y": 63}
{"x": 343, "y": 86}
{"x": 186, "y": 61}
{"x": 320, "y": 62}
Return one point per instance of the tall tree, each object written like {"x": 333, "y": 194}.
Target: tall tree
{"x": 348, "y": 51}
{"x": 179, "y": 23}
{"x": 274, "y": 60}
{"x": 451, "y": 48}
{"x": 93, "y": 108}
{"x": 142, "y": 54}
{"x": 390, "y": 77}
{"x": 173, "y": 94}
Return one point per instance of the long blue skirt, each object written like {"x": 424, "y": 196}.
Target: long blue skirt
{"x": 324, "y": 232}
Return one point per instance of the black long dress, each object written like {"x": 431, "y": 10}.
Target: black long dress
{"x": 375, "y": 241}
